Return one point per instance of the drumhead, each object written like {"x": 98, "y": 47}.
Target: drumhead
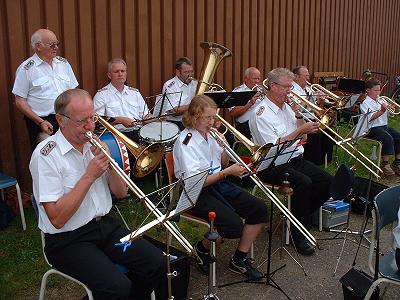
{"x": 160, "y": 132}
{"x": 118, "y": 151}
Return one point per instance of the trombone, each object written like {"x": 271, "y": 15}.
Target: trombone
{"x": 295, "y": 99}
{"x": 391, "y": 106}
{"x": 138, "y": 192}
{"x": 330, "y": 99}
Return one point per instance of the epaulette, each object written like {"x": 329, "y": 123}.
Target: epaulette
{"x": 171, "y": 84}
{"x": 61, "y": 59}
{"x": 187, "y": 138}
{"x": 133, "y": 89}
{"x": 260, "y": 110}
{"x": 103, "y": 89}
{"x": 48, "y": 148}
{"x": 29, "y": 64}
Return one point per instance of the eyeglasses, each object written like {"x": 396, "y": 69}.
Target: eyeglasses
{"x": 52, "y": 45}
{"x": 83, "y": 122}
{"x": 208, "y": 118}
{"x": 285, "y": 86}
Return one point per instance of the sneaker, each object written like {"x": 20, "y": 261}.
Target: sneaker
{"x": 245, "y": 268}
{"x": 387, "y": 170}
{"x": 204, "y": 259}
{"x": 396, "y": 168}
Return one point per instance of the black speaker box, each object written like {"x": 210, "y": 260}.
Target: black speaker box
{"x": 181, "y": 264}
{"x": 355, "y": 285}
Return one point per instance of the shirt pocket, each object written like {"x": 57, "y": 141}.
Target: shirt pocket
{"x": 113, "y": 109}
{"x": 42, "y": 86}
{"x": 69, "y": 181}
{"x": 64, "y": 80}
{"x": 280, "y": 129}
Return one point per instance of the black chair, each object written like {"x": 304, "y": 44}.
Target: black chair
{"x": 384, "y": 212}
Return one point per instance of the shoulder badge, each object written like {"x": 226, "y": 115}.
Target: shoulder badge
{"x": 103, "y": 89}
{"x": 133, "y": 89}
{"x": 171, "y": 84}
{"x": 61, "y": 59}
{"x": 48, "y": 148}
{"x": 187, "y": 138}
{"x": 260, "y": 110}
{"x": 29, "y": 64}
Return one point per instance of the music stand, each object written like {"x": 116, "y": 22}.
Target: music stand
{"x": 229, "y": 99}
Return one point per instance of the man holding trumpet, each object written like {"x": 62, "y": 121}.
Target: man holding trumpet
{"x": 72, "y": 185}
{"x": 276, "y": 121}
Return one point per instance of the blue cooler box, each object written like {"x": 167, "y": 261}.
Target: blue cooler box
{"x": 332, "y": 214}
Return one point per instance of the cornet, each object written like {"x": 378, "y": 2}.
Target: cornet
{"x": 392, "y": 107}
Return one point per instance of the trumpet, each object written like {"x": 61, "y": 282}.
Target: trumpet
{"x": 138, "y": 192}
{"x": 342, "y": 142}
{"x": 260, "y": 89}
{"x": 391, "y": 106}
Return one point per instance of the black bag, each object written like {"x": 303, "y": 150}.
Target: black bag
{"x": 355, "y": 285}
{"x": 360, "y": 194}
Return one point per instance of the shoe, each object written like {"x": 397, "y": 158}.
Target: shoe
{"x": 396, "y": 168}
{"x": 387, "y": 170}
{"x": 204, "y": 259}
{"x": 245, "y": 268}
{"x": 302, "y": 246}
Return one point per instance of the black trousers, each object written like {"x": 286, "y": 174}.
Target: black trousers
{"x": 230, "y": 210}
{"x": 389, "y": 137}
{"x": 310, "y": 186}
{"x": 244, "y": 129}
{"x": 318, "y": 145}
{"x": 89, "y": 254}
{"x": 34, "y": 130}
{"x": 397, "y": 257}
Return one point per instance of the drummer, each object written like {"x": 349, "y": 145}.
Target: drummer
{"x": 122, "y": 104}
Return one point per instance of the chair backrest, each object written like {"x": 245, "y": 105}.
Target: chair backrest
{"x": 387, "y": 205}
{"x": 169, "y": 163}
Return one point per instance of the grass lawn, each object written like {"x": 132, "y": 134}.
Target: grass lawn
{"x": 21, "y": 261}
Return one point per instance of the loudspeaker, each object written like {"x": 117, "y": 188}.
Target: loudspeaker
{"x": 180, "y": 264}
{"x": 356, "y": 284}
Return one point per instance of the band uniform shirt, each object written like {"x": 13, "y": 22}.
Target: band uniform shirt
{"x": 40, "y": 83}
{"x": 176, "y": 86}
{"x": 196, "y": 155}
{"x": 373, "y": 106}
{"x": 109, "y": 102}
{"x": 270, "y": 123}
{"x": 307, "y": 94}
{"x": 56, "y": 166}
{"x": 250, "y": 112}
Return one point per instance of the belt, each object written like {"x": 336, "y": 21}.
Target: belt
{"x": 97, "y": 218}
{"x": 300, "y": 156}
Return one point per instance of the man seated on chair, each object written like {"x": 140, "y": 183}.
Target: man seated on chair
{"x": 379, "y": 130}
{"x": 123, "y": 104}
{"x": 72, "y": 184}
{"x": 275, "y": 121}
{"x": 196, "y": 150}
{"x": 241, "y": 114}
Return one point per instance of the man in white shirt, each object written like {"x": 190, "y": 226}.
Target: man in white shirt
{"x": 277, "y": 122}
{"x": 72, "y": 184}
{"x": 379, "y": 130}
{"x": 242, "y": 114}
{"x": 124, "y": 105}
{"x": 180, "y": 90}
{"x": 318, "y": 145}
{"x": 38, "y": 82}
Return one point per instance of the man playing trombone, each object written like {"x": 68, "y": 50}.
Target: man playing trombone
{"x": 275, "y": 121}
{"x": 72, "y": 181}
{"x": 378, "y": 124}
{"x": 124, "y": 104}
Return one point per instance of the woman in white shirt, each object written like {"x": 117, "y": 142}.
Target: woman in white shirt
{"x": 379, "y": 130}
{"x": 195, "y": 150}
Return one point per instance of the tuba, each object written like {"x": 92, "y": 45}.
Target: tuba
{"x": 147, "y": 158}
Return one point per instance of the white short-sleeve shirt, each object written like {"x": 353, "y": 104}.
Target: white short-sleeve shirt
{"x": 271, "y": 123}
{"x": 40, "y": 83}
{"x": 109, "y": 102}
{"x": 372, "y": 106}
{"x": 195, "y": 154}
{"x": 307, "y": 94}
{"x": 176, "y": 86}
{"x": 250, "y": 112}
{"x": 56, "y": 166}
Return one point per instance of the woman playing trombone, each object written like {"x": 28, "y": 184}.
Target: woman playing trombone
{"x": 196, "y": 150}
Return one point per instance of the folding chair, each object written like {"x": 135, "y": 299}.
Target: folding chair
{"x": 384, "y": 212}
{"x": 6, "y": 182}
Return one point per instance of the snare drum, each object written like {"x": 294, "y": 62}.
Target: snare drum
{"x": 160, "y": 132}
{"x": 118, "y": 151}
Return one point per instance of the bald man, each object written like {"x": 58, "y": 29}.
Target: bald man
{"x": 38, "y": 82}
{"x": 241, "y": 114}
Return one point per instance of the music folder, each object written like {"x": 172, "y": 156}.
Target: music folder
{"x": 191, "y": 186}
{"x": 229, "y": 99}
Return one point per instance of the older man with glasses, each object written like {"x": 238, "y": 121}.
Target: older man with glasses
{"x": 38, "y": 82}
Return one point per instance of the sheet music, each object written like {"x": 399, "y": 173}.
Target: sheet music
{"x": 163, "y": 104}
{"x": 363, "y": 125}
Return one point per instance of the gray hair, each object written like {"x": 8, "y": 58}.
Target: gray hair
{"x": 35, "y": 38}
{"x": 247, "y": 72}
{"x": 276, "y": 74}
{"x": 115, "y": 61}
{"x": 181, "y": 61}
{"x": 62, "y": 101}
